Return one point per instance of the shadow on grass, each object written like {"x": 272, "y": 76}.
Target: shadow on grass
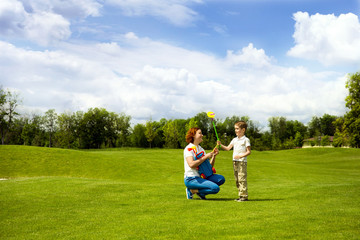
{"x": 250, "y": 200}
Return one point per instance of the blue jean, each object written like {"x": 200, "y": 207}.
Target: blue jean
{"x": 210, "y": 185}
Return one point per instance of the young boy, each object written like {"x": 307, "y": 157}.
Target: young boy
{"x": 242, "y": 149}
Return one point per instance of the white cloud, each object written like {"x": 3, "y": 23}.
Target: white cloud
{"x": 42, "y": 21}
{"x": 136, "y": 76}
{"x": 221, "y": 29}
{"x": 45, "y": 28}
{"x": 69, "y": 9}
{"x": 12, "y": 14}
{"x": 248, "y": 55}
{"x": 175, "y": 11}
{"x": 328, "y": 39}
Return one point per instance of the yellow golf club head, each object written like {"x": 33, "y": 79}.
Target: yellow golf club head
{"x": 211, "y": 114}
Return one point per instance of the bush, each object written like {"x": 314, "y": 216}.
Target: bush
{"x": 325, "y": 141}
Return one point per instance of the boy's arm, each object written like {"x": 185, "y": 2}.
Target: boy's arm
{"x": 226, "y": 148}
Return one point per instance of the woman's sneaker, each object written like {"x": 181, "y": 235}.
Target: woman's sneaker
{"x": 189, "y": 194}
{"x": 201, "y": 196}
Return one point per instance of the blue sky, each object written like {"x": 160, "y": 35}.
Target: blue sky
{"x": 174, "y": 59}
{"x": 223, "y": 25}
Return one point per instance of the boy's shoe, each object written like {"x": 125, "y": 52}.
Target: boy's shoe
{"x": 189, "y": 194}
{"x": 241, "y": 199}
{"x": 201, "y": 196}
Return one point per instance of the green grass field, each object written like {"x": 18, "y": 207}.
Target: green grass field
{"x": 140, "y": 194}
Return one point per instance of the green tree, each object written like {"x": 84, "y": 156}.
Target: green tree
{"x": 226, "y": 128}
{"x": 275, "y": 143}
{"x": 253, "y": 129}
{"x": 293, "y": 127}
{"x": 68, "y": 133}
{"x": 325, "y": 141}
{"x": 50, "y": 123}
{"x": 3, "y": 123}
{"x": 14, "y": 135}
{"x": 341, "y": 137}
{"x": 93, "y": 128}
{"x": 116, "y": 128}
{"x": 123, "y": 130}
{"x": 191, "y": 123}
{"x": 278, "y": 127}
{"x": 150, "y": 131}
{"x": 266, "y": 140}
{"x": 171, "y": 134}
{"x": 159, "y": 140}
{"x": 138, "y": 138}
{"x": 326, "y": 124}
{"x": 289, "y": 143}
{"x": 204, "y": 122}
{"x": 317, "y": 138}
{"x": 8, "y": 104}
{"x": 352, "y": 118}
{"x": 314, "y": 126}
{"x": 299, "y": 139}
{"x": 180, "y": 125}
{"x": 32, "y": 134}
{"x": 100, "y": 128}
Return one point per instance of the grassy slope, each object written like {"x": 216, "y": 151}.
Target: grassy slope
{"x": 139, "y": 194}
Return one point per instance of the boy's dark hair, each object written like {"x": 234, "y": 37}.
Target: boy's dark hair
{"x": 241, "y": 124}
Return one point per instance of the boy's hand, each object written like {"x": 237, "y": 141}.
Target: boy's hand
{"x": 219, "y": 143}
{"x": 237, "y": 157}
{"x": 216, "y": 151}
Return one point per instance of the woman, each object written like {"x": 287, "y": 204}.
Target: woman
{"x": 193, "y": 182}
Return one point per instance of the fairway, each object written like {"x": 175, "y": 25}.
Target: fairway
{"x": 140, "y": 194}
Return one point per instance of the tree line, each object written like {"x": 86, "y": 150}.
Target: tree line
{"x": 99, "y": 128}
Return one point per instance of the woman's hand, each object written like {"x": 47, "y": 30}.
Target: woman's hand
{"x": 209, "y": 155}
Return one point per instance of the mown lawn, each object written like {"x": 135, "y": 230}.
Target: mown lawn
{"x": 140, "y": 194}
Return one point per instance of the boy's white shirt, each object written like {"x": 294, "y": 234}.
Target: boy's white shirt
{"x": 191, "y": 172}
{"x": 240, "y": 145}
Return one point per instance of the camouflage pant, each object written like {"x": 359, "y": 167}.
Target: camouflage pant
{"x": 240, "y": 173}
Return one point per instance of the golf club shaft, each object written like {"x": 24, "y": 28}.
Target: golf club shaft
{"x": 215, "y": 131}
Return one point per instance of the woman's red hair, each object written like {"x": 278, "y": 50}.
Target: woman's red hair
{"x": 191, "y": 134}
